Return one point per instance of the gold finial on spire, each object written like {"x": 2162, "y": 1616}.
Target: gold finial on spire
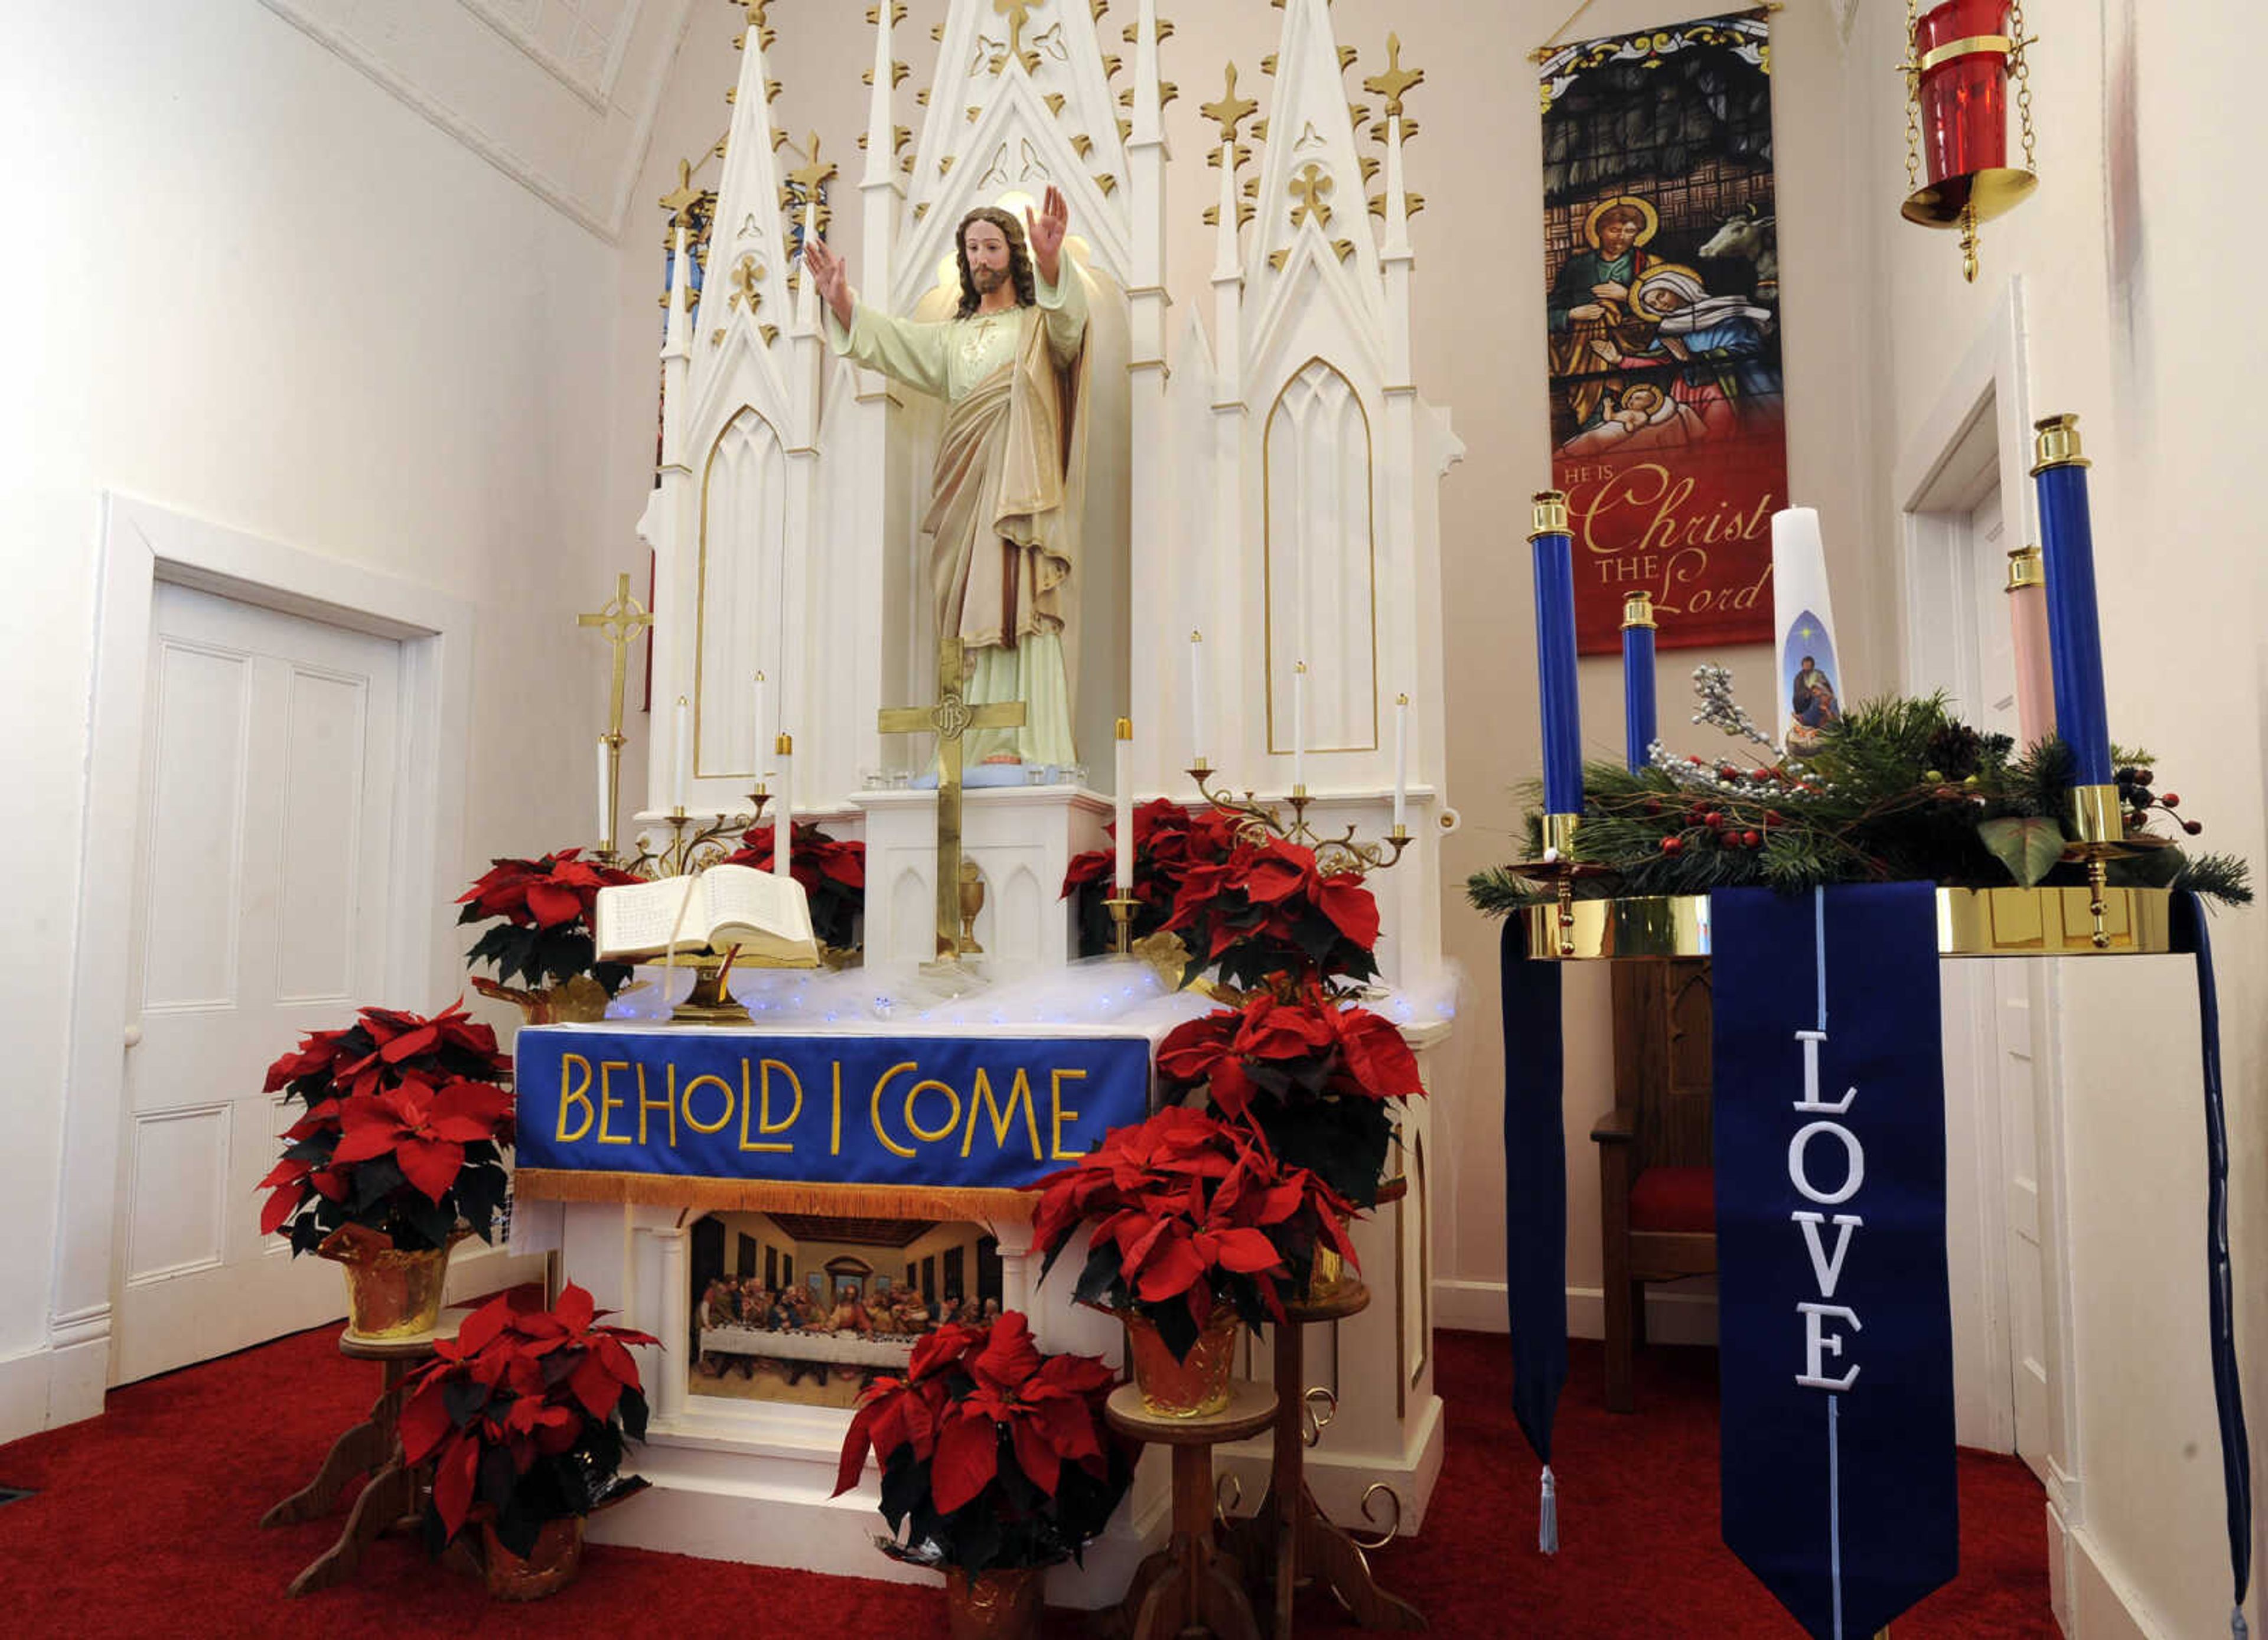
{"x": 1232, "y": 110}
{"x": 1397, "y": 82}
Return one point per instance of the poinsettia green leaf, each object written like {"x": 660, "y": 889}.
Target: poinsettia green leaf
{"x": 2029, "y": 846}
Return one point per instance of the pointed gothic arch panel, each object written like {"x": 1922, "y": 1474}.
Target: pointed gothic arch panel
{"x": 1321, "y": 561}
{"x": 739, "y": 614}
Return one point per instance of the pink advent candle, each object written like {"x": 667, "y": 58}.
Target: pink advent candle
{"x": 2027, "y": 623}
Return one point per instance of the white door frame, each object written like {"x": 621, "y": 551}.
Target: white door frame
{"x": 143, "y": 543}
{"x": 1987, "y": 398}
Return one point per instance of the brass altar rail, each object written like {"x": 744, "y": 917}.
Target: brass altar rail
{"x": 1970, "y": 923}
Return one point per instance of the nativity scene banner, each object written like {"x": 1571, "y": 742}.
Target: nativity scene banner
{"x": 1668, "y": 421}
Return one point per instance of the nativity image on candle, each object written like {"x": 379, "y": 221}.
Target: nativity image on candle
{"x": 763, "y": 740}
{"x": 1639, "y": 730}
{"x": 1553, "y": 554}
{"x": 1812, "y": 687}
{"x": 784, "y": 816}
{"x": 1197, "y": 700}
{"x": 1124, "y": 792}
{"x": 2027, "y": 628}
{"x": 1299, "y": 728}
{"x": 1401, "y": 765}
{"x": 682, "y": 773}
{"x": 2074, "y": 623}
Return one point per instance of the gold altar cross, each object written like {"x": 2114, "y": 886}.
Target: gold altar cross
{"x": 621, "y": 620}
{"x": 951, "y": 719}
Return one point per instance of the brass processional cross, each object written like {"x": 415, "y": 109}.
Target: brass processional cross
{"x": 621, "y": 620}
{"x": 951, "y": 719}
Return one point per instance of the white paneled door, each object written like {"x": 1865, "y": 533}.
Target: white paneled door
{"x": 261, "y": 888}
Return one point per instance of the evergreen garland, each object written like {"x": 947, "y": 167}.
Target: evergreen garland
{"x": 1898, "y": 791}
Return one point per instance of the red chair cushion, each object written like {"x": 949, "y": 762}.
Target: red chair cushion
{"x": 1675, "y": 1199}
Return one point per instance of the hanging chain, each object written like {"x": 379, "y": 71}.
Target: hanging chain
{"x": 2023, "y": 87}
{"x": 1913, "y": 105}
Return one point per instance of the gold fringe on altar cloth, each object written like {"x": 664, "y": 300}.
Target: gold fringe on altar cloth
{"x": 773, "y": 1196}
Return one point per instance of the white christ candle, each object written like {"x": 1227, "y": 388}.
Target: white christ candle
{"x": 683, "y": 781}
{"x": 784, "y": 816}
{"x": 605, "y": 814}
{"x": 1298, "y": 725}
{"x": 1401, "y": 761}
{"x": 1196, "y": 699}
{"x": 764, "y": 730}
{"x": 1125, "y": 792}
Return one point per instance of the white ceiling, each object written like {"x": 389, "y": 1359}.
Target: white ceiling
{"x": 560, "y": 94}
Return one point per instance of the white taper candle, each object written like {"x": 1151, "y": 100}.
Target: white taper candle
{"x": 681, "y": 780}
{"x": 1125, "y": 784}
{"x": 784, "y": 815}
{"x": 606, "y": 813}
{"x": 1401, "y": 761}
{"x": 763, "y": 741}
{"x": 1298, "y": 725}
{"x": 1197, "y": 698}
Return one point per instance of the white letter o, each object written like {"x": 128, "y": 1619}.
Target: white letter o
{"x": 1855, "y": 1159}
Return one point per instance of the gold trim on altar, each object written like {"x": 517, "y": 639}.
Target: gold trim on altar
{"x": 773, "y": 1196}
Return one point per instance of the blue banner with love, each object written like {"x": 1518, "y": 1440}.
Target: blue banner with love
{"x": 1836, "y": 1335}
{"x": 940, "y": 1122}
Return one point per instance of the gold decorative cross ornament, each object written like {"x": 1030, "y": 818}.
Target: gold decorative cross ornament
{"x": 1232, "y": 110}
{"x": 1019, "y": 12}
{"x": 620, "y": 621}
{"x": 951, "y": 719}
{"x": 1311, "y": 187}
{"x": 1397, "y": 82}
{"x": 680, "y": 203}
{"x": 745, "y": 275}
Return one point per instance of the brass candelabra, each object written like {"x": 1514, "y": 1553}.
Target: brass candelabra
{"x": 1257, "y": 821}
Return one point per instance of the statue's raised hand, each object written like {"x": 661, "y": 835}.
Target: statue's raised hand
{"x": 1046, "y": 231}
{"x": 830, "y": 276}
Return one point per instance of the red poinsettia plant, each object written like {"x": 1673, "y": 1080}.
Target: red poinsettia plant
{"x": 832, "y": 872}
{"x": 546, "y": 933}
{"x": 1313, "y": 1073}
{"x": 1169, "y": 840}
{"x": 523, "y": 1415}
{"x": 403, "y": 1133}
{"x": 1189, "y": 1212}
{"x": 993, "y": 1453}
{"x": 1259, "y": 907}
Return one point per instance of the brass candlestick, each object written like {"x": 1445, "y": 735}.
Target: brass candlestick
{"x": 1560, "y": 869}
{"x": 1122, "y": 914}
{"x": 2099, "y": 819}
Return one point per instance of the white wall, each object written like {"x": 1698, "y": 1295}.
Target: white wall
{"x": 2120, "y": 286}
{"x": 251, "y": 286}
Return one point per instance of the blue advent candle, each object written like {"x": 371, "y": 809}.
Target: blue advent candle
{"x": 2075, "y": 626}
{"x": 1555, "y": 655}
{"x": 1639, "y": 725}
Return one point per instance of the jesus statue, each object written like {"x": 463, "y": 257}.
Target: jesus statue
{"x": 1009, "y": 481}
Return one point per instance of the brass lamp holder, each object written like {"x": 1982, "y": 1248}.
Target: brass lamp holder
{"x": 1560, "y": 871}
{"x": 1257, "y": 821}
{"x": 2098, "y": 817}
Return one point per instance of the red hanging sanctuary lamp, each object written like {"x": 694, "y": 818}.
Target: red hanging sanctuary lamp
{"x": 1962, "y": 54}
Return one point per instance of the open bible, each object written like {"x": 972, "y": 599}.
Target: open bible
{"x": 720, "y": 907}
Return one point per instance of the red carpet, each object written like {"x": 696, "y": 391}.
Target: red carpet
{"x": 144, "y": 1522}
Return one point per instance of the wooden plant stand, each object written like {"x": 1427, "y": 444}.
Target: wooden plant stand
{"x": 1290, "y": 1539}
{"x": 390, "y": 1499}
{"x": 1189, "y": 1590}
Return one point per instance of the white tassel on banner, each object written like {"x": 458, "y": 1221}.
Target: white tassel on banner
{"x": 1547, "y": 1515}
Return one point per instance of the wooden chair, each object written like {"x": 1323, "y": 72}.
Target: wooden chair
{"x": 1657, "y": 1216}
